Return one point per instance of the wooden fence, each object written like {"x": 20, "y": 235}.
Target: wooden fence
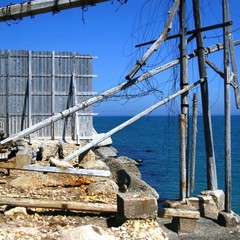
{"x": 37, "y": 84}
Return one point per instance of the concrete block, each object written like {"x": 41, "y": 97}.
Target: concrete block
{"x": 183, "y": 225}
{"x": 137, "y": 205}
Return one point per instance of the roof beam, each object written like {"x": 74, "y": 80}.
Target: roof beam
{"x": 30, "y": 8}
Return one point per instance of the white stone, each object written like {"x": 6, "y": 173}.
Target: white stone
{"x": 16, "y": 210}
{"x": 86, "y": 232}
{"x": 60, "y": 163}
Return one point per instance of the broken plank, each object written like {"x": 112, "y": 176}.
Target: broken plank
{"x": 63, "y": 205}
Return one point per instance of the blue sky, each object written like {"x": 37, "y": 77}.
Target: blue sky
{"x": 110, "y": 31}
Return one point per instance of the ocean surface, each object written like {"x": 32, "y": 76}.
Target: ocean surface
{"x": 155, "y": 140}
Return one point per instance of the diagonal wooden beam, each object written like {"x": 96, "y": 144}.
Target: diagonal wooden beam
{"x": 30, "y": 8}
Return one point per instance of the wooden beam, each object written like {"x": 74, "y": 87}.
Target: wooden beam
{"x": 103, "y": 137}
{"x": 38, "y": 168}
{"x": 30, "y": 8}
{"x": 210, "y": 155}
{"x": 203, "y": 29}
{"x": 157, "y": 43}
{"x": 63, "y": 205}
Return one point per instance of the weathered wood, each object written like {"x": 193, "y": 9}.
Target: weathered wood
{"x": 184, "y": 162}
{"x": 105, "y": 95}
{"x": 227, "y": 110}
{"x": 210, "y": 155}
{"x": 63, "y": 205}
{"x": 174, "y": 212}
{"x": 182, "y": 153}
{"x": 157, "y": 43}
{"x": 194, "y": 139}
{"x": 214, "y": 67}
{"x": 30, "y": 8}
{"x": 38, "y": 168}
{"x": 103, "y": 137}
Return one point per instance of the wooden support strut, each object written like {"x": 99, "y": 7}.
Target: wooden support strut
{"x": 103, "y": 137}
{"x": 30, "y": 8}
{"x": 157, "y": 43}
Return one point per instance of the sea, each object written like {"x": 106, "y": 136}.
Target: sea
{"x": 155, "y": 141}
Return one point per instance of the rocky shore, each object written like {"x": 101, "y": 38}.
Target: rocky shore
{"x": 18, "y": 222}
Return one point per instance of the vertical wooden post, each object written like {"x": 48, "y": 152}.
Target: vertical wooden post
{"x": 194, "y": 135}
{"x": 29, "y": 91}
{"x": 210, "y": 155}
{"x": 75, "y": 101}
{"x": 7, "y": 92}
{"x": 227, "y": 111}
{"x": 183, "y": 84}
{"x": 53, "y": 95}
{"x": 182, "y": 153}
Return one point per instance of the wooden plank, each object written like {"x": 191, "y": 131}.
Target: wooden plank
{"x": 38, "y": 168}
{"x": 30, "y": 8}
{"x": 64, "y": 205}
{"x": 175, "y": 212}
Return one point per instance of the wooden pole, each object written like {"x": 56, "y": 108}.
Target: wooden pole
{"x": 183, "y": 163}
{"x": 210, "y": 155}
{"x": 103, "y": 137}
{"x": 194, "y": 138}
{"x": 106, "y": 95}
{"x": 184, "y": 99}
{"x": 63, "y": 205}
{"x": 228, "y": 185}
{"x": 30, "y": 8}
{"x": 157, "y": 43}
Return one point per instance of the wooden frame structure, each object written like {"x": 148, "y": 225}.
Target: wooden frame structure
{"x": 22, "y": 10}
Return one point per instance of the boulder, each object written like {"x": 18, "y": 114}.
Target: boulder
{"x": 106, "y": 152}
{"x": 93, "y": 164}
{"x": 86, "y": 232}
{"x": 127, "y": 180}
{"x": 103, "y": 186}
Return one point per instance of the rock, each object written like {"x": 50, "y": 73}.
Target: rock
{"x": 17, "y": 211}
{"x": 26, "y": 182}
{"x": 106, "y": 142}
{"x": 86, "y": 232}
{"x": 130, "y": 165}
{"x": 93, "y": 164}
{"x": 103, "y": 186}
{"x": 218, "y": 197}
{"x": 59, "y": 163}
{"x": 228, "y": 219}
{"x": 106, "y": 152}
{"x": 126, "y": 180}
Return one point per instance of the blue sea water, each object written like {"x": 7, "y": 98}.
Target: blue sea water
{"x": 155, "y": 140}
